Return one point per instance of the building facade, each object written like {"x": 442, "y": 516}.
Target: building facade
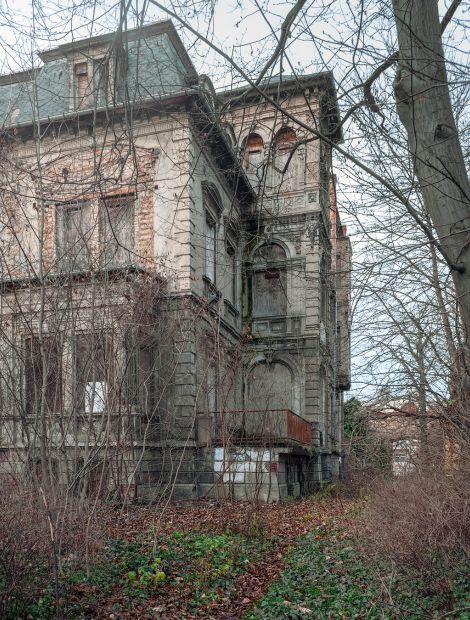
{"x": 175, "y": 282}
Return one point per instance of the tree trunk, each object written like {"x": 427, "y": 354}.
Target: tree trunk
{"x": 425, "y": 110}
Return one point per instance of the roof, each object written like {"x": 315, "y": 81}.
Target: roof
{"x": 157, "y": 66}
{"x": 280, "y": 85}
{"x": 402, "y": 407}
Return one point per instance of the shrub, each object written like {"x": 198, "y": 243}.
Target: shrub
{"x": 422, "y": 521}
{"x": 37, "y": 535}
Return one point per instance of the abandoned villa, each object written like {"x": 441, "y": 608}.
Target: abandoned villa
{"x": 175, "y": 277}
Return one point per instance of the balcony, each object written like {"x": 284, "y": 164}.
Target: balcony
{"x": 273, "y": 427}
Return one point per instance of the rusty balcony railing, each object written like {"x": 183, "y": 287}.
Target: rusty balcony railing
{"x": 261, "y": 427}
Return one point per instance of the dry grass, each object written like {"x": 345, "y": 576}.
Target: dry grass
{"x": 422, "y": 521}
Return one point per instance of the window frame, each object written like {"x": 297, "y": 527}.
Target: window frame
{"x": 81, "y": 99}
{"x": 66, "y": 259}
{"x": 212, "y": 211}
{"x": 31, "y": 372}
{"x": 252, "y": 164}
{"x": 232, "y": 270}
{"x": 101, "y": 91}
{"x": 210, "y": 235}
{"x": 94, "y": 92}
{"x": 84, "y": 375}
{"x": 106, "y": 206}
{"x": 282, "y": 149}
{"x": 269, "y": 269}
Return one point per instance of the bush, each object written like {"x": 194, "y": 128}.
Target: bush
{"x": 422, "y": 521}
{"x": 37, "y": 534}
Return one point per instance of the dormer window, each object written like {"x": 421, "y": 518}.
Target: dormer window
{"x": 101, "y": 81}
{"x": 81, "y": 84}
{"x": 91, "y": 83}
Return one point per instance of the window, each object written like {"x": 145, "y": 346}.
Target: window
{"x": 269, "y": 281}
{"x": 101, "y": 81}
{"x": 73, "y": 235}
{"x": 231, "y": 270}
{"x": 117, "y": 231}
{"x": 254, "y": 157}
{"x": 212, "y": 211}
{"x": 82, "y": 83}
{"x": 285, "y": 163}
{"x": 270, "y": 386}
{"x": 210, "y": 232}
{"x": 92, "y": 83}
{"x": 141, "y": 378}
{"x": 43, "y": 371}
{"x": 93, "y": 372}
{"x": 404, "y": 453}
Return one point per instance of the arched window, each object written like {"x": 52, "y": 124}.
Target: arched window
{"x": 212, "y": 210}
{"x": 286, "y": 163}
{"x": 253, "y": 158}
{"x": 269, "y": 281}
{"x": 270, "y": 386}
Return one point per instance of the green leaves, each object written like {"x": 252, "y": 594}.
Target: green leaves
{"x": 329, "y": 576}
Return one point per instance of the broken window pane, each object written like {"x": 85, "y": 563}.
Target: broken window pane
{"x": 95, "y": 396}
{"x": 93, "y": 372}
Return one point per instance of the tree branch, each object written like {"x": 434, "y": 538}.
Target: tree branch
{"x": 325, "y": 138}
{"x": 393, "y": 58}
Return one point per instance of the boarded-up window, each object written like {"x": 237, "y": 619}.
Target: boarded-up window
{"x": 269, "y": 281}
{"x": 73, "y": 236}
{"x": 269, "y": 387}
{"x": 43, "y": 375}
{"x": 82, "y": 83}
{"x": 253, "y": 158}
{"x": 117, "y": 231}
{"x": 93, "y": 372}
